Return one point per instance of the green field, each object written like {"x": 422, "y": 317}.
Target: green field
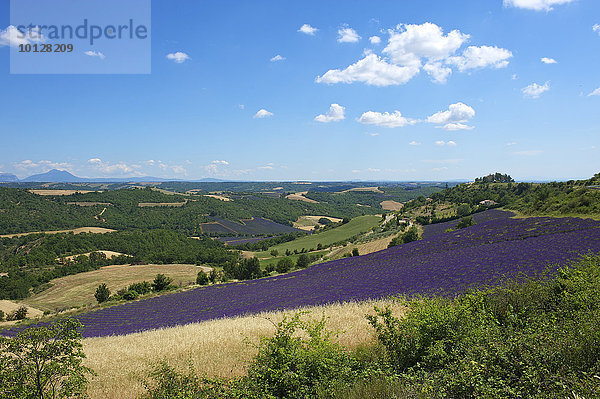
{"x": 356, "y": 226}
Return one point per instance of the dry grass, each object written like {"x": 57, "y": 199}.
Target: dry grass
{"x": 10, "y": 306}
{"x": 391, "y": 205}
{"x": 159, "y": 204}
{"x": 109, "y": 254}
{"x": 215, "y": 348}
{"x": 219, "y": 197}
{"x": 300, "y": 197}
{"x": 363, "y": 249}
{"x": 78, "y": 290}
{"x": 372, "y": 189}
{"x": 79, "y": 230}
{"x": 309, "y": 222}
{"x": 59, "y": 192}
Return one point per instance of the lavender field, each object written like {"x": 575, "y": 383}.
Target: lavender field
{"x": 444, "y": 263}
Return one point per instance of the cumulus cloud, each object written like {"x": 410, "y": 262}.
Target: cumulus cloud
{"x": 386, "y": 119}
{"x": 414, "y": 143}
{"x": 335, "y": 114}
{"x": 347, "y": 35}
{"x": 454, "y": 118}
{"x": 537, "y": 5}
{"x": 262, "y": 113}
{"x": 535, "y": 90}
{"x": 178, "y": 57}
{"x": 445, "y": 143}
{"x": 278, "y": 57}
{"x": 546, "y": 60}
{"x": 411, "y": 48}
{"x": 596, "y": 28}
{"x": 481, "y": 57}
{"x": 12, "y": 37}
{"x": 375, "y": 39}
{"x": 95, "y": 54}
{"x": 595, "y": 92}
{"x": 372, "y": 70}
{"x": 41, "y": 166}
{"x": 222, "y": 162}
{"x": 307, "y": 29}
{"x": 120, "y": 168}
{"x": 438, "y": 72}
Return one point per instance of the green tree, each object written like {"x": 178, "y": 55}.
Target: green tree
{"x": 102, "y": 293}
{"x": 284, "y": 265}
{"x": 303, "y": 261}
{"x": 161, "y": 282}
{"x": 355, "y": 252}
{"x": 44, "y": 362}
{"x": 202, "y": 278}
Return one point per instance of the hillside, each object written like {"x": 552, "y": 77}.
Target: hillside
{"x": 447, "y": 264}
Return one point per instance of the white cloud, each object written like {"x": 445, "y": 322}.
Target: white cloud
{"x": 454, "y": 118}
{"x": 595, "y": 92}
{"x": 371, "y": 70}
{"x": 442, "y": 169}
{"x": 95, "y": 54}
{"x": 307, "y": 29}
{"x": 537, "y": 5}
{"x": 120, "y": 168}
{"x": 375, "y": 39}
{"x": 178, "y": 57}
{"x": 438, "y": 72}
{"x": 457, "y": 126}
{"x": 481, "y": 57}
{"x": 12, "y": 37}
{"x": 220, "y": 162}
{"x": 373, "y": 170}
{"x": 263, "y": 113}
{"x": 445, "y": 143}
{"x": 546, "y": 60}
{"x": 242, "y": 106}
{"x": 278, "y": 57}
{"x": 511, "y": 144}
{"x": 269, "y": 166}
{"x": 347, "y": 35}
{"x": 529, "y": 153}
{"x": 408, "y": 44}
{"x": 412, "y": 47}
{"x": 596, "y": 28}
{"x": 335, "y": 114}
{"x": 42, "y": 166}
{"x": 514, "y": 76}
{"x": 414, "y": 143}
{"x": 373, "y": 134}
{"x": 535, "y": 90}
{"x": 386, "y": 119}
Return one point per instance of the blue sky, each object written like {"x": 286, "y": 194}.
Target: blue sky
{"x": 361, "y": 90}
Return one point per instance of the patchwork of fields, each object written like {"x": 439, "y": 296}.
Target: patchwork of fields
{"x": 445, "y": 263}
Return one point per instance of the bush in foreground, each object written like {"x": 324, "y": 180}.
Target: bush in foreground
{"x": 43, "y": 362}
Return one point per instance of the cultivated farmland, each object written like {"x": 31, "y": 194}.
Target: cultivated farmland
{"x": 446, "y": 263}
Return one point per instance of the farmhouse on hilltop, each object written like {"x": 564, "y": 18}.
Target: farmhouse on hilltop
{"x": 488, "y": 203}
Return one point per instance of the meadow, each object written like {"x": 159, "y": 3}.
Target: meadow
{"x": 78, "y": 290}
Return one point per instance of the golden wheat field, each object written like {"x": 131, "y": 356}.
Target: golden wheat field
{"x": 217, "y": 348}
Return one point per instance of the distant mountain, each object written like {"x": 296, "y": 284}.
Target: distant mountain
{"x": 62, "y": 176}
{"x": 8, "y": 178}
{"x": 55, "y": 176}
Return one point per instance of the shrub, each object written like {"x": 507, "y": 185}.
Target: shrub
{"x": 102, "y": 293}
{"x": 141, "y": 288}
{"x": 161, "y": 282}
{"x": 274, "y": 252}
{"x": 355, "y": 252}
{"x": 18, "y": 314}
{"x": 284, "y": 265}
{"x": 303, "y": 261}
{"x": 202, "y": 278}
{"x": 131, "y": 295}
{"x": 1, "y": 315}
{"x": 325, "y": 221}
{"x": 288, "y": 366}
{"x": 464, "y": 223}
{"x": 44, "y": 362}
